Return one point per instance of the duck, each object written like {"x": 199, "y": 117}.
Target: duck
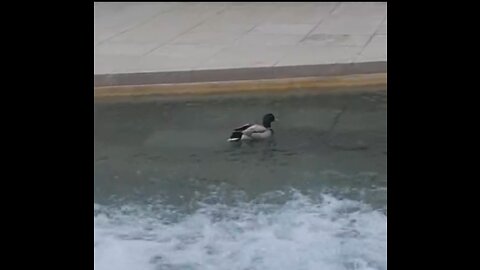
{"x": 254, "y": 132}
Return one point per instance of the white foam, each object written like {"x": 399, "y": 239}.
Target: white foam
{"x": 302, "y": 233}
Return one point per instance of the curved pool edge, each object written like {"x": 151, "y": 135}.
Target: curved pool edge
{"x": 236, "y": 74}
{"x": 276, "y": 85}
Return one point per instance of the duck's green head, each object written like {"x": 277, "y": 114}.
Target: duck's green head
{"x": 268, "y": 119}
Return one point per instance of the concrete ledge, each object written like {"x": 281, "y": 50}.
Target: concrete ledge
{"x": 259, "y": 73}
{"x": 241, "y": 86}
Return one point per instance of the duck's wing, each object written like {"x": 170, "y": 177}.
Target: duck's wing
{"x": 254, "y": 129}
{"x": 242, "y": 128}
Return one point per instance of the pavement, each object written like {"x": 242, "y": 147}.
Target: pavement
{"x": 185, "y": 37}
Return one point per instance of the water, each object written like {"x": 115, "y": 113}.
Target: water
{"x": 171, "y": 193}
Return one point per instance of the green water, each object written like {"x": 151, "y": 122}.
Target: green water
{"x": 176, "y": 149}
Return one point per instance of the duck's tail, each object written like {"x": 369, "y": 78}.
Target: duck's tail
{"x": 235, "y": 137}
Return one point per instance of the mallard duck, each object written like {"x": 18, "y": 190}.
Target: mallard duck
{"x": 250, "y": 132}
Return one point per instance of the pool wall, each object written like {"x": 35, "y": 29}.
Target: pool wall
{"x": 272, "y": 79}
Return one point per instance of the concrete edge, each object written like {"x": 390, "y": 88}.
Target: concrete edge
{"x": 220, "y": 75}
{"x": 242, "y": 86}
